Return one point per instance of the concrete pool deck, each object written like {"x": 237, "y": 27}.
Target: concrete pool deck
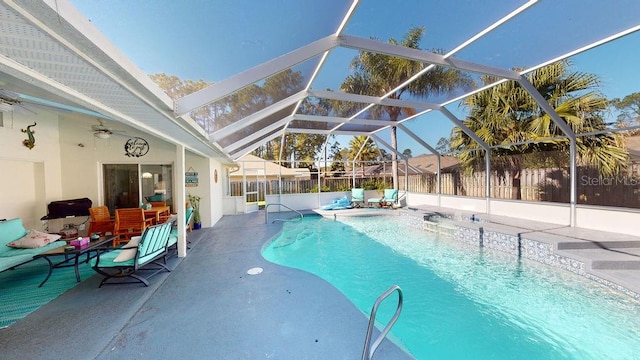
{"x": 208, "y": 307}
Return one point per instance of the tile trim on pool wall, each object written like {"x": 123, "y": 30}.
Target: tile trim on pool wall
{"x": 470, "y": 236}
{"x": 501, "y": 242}
{"x": 530, "y": 249}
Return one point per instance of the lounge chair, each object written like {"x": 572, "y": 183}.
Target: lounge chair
{"x": 135, "y": 256}
{"x": 390, "y": 197}
{"x": 357, "y": 196}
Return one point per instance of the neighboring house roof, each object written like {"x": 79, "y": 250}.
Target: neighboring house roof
{"x": 420, "y": 164}
{"x": 633, "y": 147}
{"x": 255, "y": 166}
{"x": 429, "y": 163}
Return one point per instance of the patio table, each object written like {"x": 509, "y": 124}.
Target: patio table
{"x": 74, "y": 255}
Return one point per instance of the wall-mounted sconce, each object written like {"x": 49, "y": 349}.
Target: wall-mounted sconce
{"x": 147, "y": 175}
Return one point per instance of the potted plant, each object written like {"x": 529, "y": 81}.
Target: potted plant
{"x": 195, "y": 203}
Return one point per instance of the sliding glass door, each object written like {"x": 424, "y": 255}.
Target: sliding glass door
{"x": 127, "y": 185}
{"x": 157, "y": 183}
{"x": 121, "y": 186}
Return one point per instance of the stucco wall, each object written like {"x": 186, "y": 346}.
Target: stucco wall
{"x": 31, "y": 177}
{"x": 66, "y": 163}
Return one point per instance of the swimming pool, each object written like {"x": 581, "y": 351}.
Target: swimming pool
{"x": 461, "y": 302}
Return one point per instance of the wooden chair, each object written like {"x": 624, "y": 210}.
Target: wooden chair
{"x": 163, "y": 217}
{"x": 100, "y": 220}
{"x": 129, "y": 222}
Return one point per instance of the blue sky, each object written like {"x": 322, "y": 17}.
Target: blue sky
{"x": 213, "y": 40}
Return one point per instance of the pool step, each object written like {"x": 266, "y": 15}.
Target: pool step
{"x": 586, "y": 244}
{"x": 607, "y": 259}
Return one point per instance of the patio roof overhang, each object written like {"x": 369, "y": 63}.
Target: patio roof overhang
{"x": 51, "y": 51}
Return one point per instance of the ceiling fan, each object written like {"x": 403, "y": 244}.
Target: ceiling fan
{"x": 101, "y": 131}
{"x": 27, "y": 104}
{"x": 10, "y": 101}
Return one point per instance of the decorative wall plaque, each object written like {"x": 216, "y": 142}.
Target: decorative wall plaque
{"x": 191, "y": 178}
{"x": 136, "y": 147}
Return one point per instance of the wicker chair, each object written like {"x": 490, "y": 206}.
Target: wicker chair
{"x": 100, "y": 220}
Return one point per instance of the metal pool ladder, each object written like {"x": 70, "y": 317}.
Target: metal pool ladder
{"x": 368, "y": 352}
{"x": 266, "y": 211}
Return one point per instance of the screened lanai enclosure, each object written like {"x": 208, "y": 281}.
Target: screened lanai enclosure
{"x": 535, "y": 100}
{"x": 487, "y": 106}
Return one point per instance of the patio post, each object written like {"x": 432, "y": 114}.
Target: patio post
{"x": 179, "y": 180}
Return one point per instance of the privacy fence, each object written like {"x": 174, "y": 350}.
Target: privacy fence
{"x": 552, "y": 185}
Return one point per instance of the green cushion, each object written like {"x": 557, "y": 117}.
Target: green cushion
{"x": 13, "y": 257}
{"x": 106, "y": 260}
{"x": 188, "y": 214}
{"x": 357, "y": 194}
{"x": 157, "y": 197}
{"x": 11, "y": 230}
{"x": 391, "y": 195}
{"x": 173, "y": 237}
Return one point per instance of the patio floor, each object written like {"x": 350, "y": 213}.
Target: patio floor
{"x": 208, "y": 307}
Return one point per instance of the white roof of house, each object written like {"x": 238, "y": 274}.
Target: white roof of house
{"x": 254, "y": 166}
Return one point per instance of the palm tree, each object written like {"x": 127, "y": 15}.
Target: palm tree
{"x": 377, "y": 74}
{"x": 506, "y": 114}
{"x": 369, "y": 150}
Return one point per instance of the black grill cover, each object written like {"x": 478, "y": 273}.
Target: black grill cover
{"x": 64, "y": 208}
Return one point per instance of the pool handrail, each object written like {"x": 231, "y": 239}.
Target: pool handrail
{"x": 368, "y": 352}
{"x": 266, "y": 211}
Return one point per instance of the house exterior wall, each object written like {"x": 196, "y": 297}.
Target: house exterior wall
{"x": 24, "y": 191}
{"x": 82, "y": 166}
{"x": 66, "y": 163}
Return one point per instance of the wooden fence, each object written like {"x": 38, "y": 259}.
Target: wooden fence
{"x": 551, "y": 185}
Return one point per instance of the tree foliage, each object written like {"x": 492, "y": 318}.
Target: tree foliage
{"x": 378, "y": 74}
{"x": 300, "y": 149}
{"x": 628, "y": 110}
{"x": 303, "y": 148}
{"x": 362, "y": 149}
{"x": 443, "y": 146}
{"x": 506, "y": 114}
{"x": 177, "y": 88}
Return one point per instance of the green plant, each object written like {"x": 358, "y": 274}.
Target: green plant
{"x": 195, "y": 203}
{"x": 375, "y": 184}
{"x": 323, "y": 189}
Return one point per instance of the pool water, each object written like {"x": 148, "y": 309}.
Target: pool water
{"x": 461, "y": 302}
